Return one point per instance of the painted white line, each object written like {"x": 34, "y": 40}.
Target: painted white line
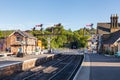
{"x": 6, "y": 65}
{"x": 84, "y": 71}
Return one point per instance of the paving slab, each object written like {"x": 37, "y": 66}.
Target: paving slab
{"x": 104, "y": 67}
{"x": 99, "y": 67}
{"x": 84, "y": 71}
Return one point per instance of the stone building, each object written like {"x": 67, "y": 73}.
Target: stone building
{"x": 2, "y": 41}
{"x": 119, "y": 45}
{"x": 92, "y": 43}
{"x": 108, "y": 35}
{"x": 21, "y": 41}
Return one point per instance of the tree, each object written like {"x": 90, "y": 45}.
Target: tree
{"x": 0, "y": 34}
{"x": 64, "y": 37}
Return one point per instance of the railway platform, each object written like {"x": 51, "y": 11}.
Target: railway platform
{"x": 11, "y": 64}
{"x": 9, "y": 60}
{"x": 99, "y": 67}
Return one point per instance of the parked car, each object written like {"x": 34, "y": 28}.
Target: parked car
{"x": 117, "y": 54}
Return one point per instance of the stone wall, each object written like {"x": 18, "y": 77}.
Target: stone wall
{"x": 10, "y": 69}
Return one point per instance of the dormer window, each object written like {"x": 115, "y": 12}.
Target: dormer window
{"x": 18, "y": 38}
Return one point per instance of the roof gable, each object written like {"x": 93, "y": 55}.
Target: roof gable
{"x": 103, "y": 28}
{"x": 23, "y": 33}
{"x": 113, "y": 38}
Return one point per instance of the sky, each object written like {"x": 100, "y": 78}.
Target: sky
{"x": 72, "y": 14}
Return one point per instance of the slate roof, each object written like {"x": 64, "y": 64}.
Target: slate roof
{"x": 104, "y": 28}
{"x": 113, "y": 38}
{"x": 23, "y": 33}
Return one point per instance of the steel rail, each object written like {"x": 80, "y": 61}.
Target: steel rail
{"x": 61, "y": 70}
{"x": 22, "y": 75}
{"x": 63, "y": 74}
{"x": 77, "y": 66}
{"x": 27, "y": 78}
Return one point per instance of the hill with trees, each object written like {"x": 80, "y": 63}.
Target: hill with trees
{"x": 62, "y": 38}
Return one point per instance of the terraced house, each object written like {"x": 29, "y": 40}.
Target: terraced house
{"x": 21, "y": 41}
{"x": 109, "y": 36}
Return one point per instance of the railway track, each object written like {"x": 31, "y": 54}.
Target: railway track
{"x": 45, "y": 73}
{"x": 33, "y": 71}
{"x": 68, "y": 72}
{"x": 62, "y": 68}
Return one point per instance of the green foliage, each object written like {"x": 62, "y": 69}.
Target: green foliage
{"x": 63, "y": 37}
{"x": 0, "y": 34}
{"x": 5, "y": 33}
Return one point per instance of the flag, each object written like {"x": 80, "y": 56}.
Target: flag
{"x": 39, "y": 25}
{"x": 89, "y": 25}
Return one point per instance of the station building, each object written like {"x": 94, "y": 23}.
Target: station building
{"x": 21, "y": 41}
{"x": 109, "y": 36}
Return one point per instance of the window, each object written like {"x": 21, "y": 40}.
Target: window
{"x": 18, "y": 38}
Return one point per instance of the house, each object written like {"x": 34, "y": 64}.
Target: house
{"x": 112, "y": 43}
{"x": 119, "y": 45}
{"x": 21, "y": 41}
{"x": 92, "y": 43}
{"x": 2, "y": 41}
{"x": 108, "y": 35}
